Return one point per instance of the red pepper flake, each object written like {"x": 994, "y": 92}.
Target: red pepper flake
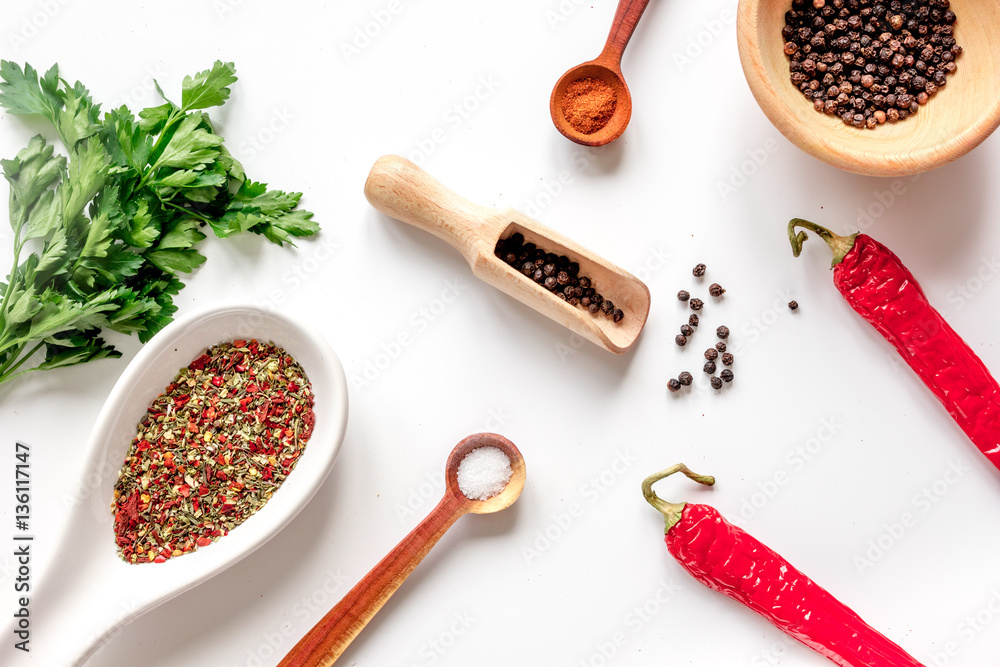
{"x": 200, "y": 363}
{"x": 173, "y": 491}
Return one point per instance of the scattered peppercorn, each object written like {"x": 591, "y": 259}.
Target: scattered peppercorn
{"x": 681, "y": 340}
{"x": 698, "y": 270}
{"x": 720, "y": 346}
{"x": 685, "y": 378}
{"x": 870, "y": 61}
{"x": 687, "y": 330}
{"x": 726, "y": 375}
{"x": 793, "y": 305}
{"x": 727, "y": 359}
{"x": 711, "y": 354}
{"x": 722, "y": 332}
{"x": 673, "y": 384}
{"x": 709, "y": 367}
{"x": 715, "y": 289}
{"x": 716, "y": 383}
{"x": 683, "y": 295}
{"x": 693, "y": 320}
{"x": 557, "y": 274}
{"x": 696, "y": 304}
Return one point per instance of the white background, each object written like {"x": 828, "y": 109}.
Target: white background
{"x": 679, "y": 187}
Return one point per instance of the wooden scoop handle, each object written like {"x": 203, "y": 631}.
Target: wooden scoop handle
{"x": 401, "y": 189}
{"x": 333, "y": 634}
{"x": 626, "y": 19}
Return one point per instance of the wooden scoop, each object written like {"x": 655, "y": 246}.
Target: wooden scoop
{"x": 606, "y": 67}
{"x": 333, "y": 634}
{"x": 400, "y": 189}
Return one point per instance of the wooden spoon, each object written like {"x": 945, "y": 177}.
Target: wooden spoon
{"x": 606, "y": 67}
{"x": 333, "y": 634}
{"x": 400, "y": 189}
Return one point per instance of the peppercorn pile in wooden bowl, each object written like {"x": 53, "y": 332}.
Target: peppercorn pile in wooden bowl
{"x": 876, "y": 87}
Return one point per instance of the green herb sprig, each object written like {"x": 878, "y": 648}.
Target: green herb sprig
{"x": 103, "y": 235}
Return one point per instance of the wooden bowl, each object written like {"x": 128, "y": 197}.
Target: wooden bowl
{"x": 956, "y": 120}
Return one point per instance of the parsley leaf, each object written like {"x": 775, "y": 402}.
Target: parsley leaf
{"x": 209, "y": 88}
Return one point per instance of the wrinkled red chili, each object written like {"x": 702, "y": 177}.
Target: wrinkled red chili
{"x": 729, "y": 560}
{"x": 884, "y": 292}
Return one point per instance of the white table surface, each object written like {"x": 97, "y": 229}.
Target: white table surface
{"x": 577, "y": 566}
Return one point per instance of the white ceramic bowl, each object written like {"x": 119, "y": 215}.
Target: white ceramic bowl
{"x": 92, "y": 593}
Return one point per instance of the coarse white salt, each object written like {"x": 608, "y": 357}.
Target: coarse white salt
{"x": 483, "y": 473}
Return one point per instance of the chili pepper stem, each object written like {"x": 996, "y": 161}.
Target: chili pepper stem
{"x": 840, "y": 245}
{"x": 671, "y": 511}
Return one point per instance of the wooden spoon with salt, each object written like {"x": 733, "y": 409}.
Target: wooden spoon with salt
{"x": 329, "y": 638}
{"x": 607, "y": 70}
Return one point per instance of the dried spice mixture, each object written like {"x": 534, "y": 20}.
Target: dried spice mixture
{"x": 211, "y": 450}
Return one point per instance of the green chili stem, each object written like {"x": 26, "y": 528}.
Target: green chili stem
{"x": 671, "y": 511}
{"x": 840, "y": 245}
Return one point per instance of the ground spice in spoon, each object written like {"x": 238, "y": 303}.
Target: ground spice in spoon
{"x": 588, "y": 104}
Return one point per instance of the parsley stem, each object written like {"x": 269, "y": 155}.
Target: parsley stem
{"x": 171, "y": 119}
{"x": 4, "y": 303}
{"x": 7, "y": 373}
{"x": 185, "y": 211}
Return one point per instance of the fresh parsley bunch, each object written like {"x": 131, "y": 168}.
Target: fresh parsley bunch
{"x": 114, "y": 225}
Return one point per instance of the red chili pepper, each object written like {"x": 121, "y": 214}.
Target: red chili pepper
{"x": 883, "y": 291}
{"x": 729, "y": 560}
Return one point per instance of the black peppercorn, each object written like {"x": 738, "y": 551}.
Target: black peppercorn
{"x": 709, "y": 367}
{"x": 687, "y": 329}
{"x": 681, "y": 340}
{"x": 685, "y": 379}
{"x": 715, "y": 289}
{"x": 693, "y": 320}
{"x": 727, "y": 359}
{"x": 722, "y": 332}
{"x": 711, "y": 354}
{"x": 607, "y": 307}
{"x": 793, "y": 305}
{"x": 726, "y": 375}
{"x": 716, "y": 383}
{"x": 618, "y": 315}
{"x": 845, "y": 54}
{"x": 698, "y": 270}
{"x": 683, "y": 295}
{"x": 696, "y": 304}
{"x": 720, "y": 346}
{"x": 673, "y": 384}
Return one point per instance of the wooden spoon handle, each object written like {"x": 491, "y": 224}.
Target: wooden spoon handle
{"x": 329, "y": 638}
{"x": 626, "y": 18}
{"x": 401, "y": 189}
